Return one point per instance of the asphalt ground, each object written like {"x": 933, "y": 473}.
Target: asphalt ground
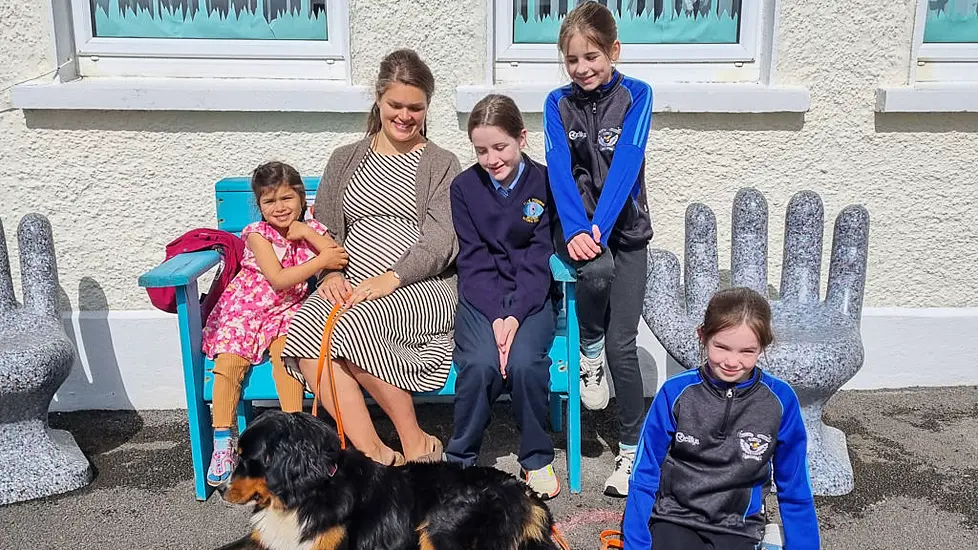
{"x": 914, "y": 454}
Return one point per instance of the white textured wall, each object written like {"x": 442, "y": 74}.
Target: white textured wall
{"x": 119, "y": 185}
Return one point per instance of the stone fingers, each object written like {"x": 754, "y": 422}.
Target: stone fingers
{"x": 702, "y": 275}
{"x": 802, "y": 262}
{"x": 664, "y": 312}
{"x": 662, "y": 306}
{"x": 847, "y": 268}
{"x": 748, "y": 241}
{"x": 39, "y": 271}
{"x": 7, "y": 301}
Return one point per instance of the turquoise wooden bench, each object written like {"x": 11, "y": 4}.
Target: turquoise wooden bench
{"x": 235, "y": 210}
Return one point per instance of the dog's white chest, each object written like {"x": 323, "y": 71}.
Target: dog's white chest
{"x": 279, "y": 530}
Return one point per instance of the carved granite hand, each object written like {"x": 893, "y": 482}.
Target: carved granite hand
{"x": 817, "y": 346}
{"x": 35, "y": 359}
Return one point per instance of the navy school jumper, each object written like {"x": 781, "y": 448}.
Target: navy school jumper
{"x": 505, "y": 244}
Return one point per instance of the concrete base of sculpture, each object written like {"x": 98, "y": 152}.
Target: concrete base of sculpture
{"x": 35, "y": 359}
{"x": 38, "y": 462}
{"x": 817, "y": 346}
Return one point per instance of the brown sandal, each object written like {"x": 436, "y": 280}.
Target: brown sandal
{"x": 398, "y": 459}
{"x": 436, "y": 452}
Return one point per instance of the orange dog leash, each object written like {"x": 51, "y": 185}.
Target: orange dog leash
{"x": 326, "y": 360}
{"x": 558, "y": 538}
{"x": 325, "y": 363}
{"x": 611, "y": 538}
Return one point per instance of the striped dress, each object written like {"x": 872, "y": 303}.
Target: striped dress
{"x": 404, "y": 339}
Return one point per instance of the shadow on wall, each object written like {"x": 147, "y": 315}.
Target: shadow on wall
{"x": 196, "y": 122}
{"x": 95, "y": 381}
{"x": 934, "y": 123}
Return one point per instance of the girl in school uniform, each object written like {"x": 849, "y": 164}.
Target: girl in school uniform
{"x": 506, "y": 317}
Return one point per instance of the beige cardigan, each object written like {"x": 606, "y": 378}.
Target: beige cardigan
{"x": 435, "y": 251}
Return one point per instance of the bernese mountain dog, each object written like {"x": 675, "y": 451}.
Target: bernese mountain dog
{"x": 309, "y": 494}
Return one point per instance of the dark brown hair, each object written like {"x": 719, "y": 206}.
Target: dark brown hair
{"x": 735, "y": 306}
{"x": 406, "y": 67}
{"x": 270, "y": 176}
{"x": 497, "y": 110}
{"x": 594, "y": 21}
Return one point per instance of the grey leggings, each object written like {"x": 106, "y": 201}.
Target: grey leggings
{"x": 610, "y": 291}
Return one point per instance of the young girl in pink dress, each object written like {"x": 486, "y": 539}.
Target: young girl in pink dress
{"x": 283, "y": 251}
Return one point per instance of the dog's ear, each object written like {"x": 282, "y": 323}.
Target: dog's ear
{"x": 303, "y": 461}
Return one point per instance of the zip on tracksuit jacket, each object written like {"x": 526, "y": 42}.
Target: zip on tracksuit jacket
{"x": 705, "y": 456}
{"x": 595, "y": 145}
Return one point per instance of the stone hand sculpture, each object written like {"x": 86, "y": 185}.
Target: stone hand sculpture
{"x": 35, "y": 359}
{"x": 818, "y": 346}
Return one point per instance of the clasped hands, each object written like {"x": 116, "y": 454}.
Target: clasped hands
{"x": 585, "y": 247}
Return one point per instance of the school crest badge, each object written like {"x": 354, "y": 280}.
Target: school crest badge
{"x": 608, "y": 138}
{"x": 754, "y": 445}
{"x": 532, "y": 210}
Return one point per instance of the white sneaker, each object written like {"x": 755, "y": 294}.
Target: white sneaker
{"x": 594, "y": 385}
{"x": 617, "y": 483}
{"x": 543, "y": 482}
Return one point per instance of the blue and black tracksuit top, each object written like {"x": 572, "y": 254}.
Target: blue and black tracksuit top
{"x": 706, "y": 453}
{"x": 595, "y": 145}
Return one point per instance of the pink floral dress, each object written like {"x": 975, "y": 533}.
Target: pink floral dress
{"x": 250, "y": 313}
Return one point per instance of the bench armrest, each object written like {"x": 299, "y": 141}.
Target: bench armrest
{"x": 561, "y": 270}
{"x": 180, "y": 270}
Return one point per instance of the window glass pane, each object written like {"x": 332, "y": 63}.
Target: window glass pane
{"x": 951, "y": 21}
{"x": 226, "y": 19}
{"x": 639, "y": 21}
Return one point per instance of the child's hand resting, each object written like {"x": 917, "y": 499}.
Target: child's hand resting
{"x": 333, "y": 258}
{"x": 298, "y": 231}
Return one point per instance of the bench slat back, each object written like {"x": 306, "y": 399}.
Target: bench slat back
{"x": 236, "y": 206}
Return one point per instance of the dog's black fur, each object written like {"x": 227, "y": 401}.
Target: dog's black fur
{"x": 291, "y": 465}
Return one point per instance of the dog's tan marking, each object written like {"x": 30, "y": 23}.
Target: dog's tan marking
{"x": 424, "y": 542}
{"x": 535, "y": 527}
{"x": 331, "y": 539}
{"x": 241, "y": 490}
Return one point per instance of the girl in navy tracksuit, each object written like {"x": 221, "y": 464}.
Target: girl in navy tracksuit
{"x": 713, "y": 437}
{"x": 506, "y": 317}
{"x": 596, "y": 131}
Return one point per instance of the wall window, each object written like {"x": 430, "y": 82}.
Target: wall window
{"x": 951, "y": 22}
{"x": 640, "y": 22}
{"x": 948, "y": 47}
{"x": 700, "y": 40}
{"x": 214, "y": 38}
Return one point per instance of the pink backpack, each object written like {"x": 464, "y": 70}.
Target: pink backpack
{"x": 230, "y": 246}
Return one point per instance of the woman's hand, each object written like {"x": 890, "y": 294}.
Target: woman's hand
{"x": 335, "y": 288}
{"x": 373, "y": 288}
{"x": 585, "y": 247}
{"x": 333, "y": 258}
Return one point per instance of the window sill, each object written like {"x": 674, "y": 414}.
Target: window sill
{"x": 194, "y": 94}
{"x": 669, "y": 98}
{"x": 928, "y": 98}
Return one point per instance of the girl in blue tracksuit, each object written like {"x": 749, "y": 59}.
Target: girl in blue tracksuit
{"x": 711, "y": 440}
{"x": 596, "y": 131}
